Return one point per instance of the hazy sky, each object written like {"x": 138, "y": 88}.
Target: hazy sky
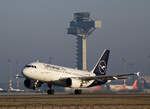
{"x": 37, "y": 29}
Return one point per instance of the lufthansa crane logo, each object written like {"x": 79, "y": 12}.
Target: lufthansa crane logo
{"x": 102, "y": 67}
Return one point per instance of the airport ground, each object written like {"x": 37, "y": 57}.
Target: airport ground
{"x": 84, "y": 101}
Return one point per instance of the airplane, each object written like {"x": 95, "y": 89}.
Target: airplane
{"x": 37, "y": 73}
{"x": 2, "y": 90}
{"x": 123, "y": 87}
{"x": 15, "y": 90}
{"x": 11, "y": 89}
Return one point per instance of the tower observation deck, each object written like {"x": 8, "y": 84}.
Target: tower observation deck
{"x": 82, "y": 26}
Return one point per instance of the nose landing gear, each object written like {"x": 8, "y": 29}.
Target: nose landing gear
{"x": 50, "y": 92}
{"x": 77, "y": 92}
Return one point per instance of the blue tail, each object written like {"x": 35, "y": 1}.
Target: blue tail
{"x": 101, "y": 66}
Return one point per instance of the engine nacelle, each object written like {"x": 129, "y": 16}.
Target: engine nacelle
{"x": 73, "y": 83}
{"x": 32, "y": 84}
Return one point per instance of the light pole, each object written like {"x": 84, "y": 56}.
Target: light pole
{"x": 149, "y": 65}
{"x": 123, "y": 65}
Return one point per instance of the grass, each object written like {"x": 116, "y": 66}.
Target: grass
{"x": 104, "y": 101}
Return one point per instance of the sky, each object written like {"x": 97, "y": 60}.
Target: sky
{"x": 33, "y": 30}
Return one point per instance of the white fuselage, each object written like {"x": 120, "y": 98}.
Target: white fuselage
{"x": 50, "y": 73}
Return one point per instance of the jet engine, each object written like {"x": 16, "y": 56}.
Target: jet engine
{"x": 32, "y": 84}
{"x": 73, "y": 83}
{"x": 68, "y": 82}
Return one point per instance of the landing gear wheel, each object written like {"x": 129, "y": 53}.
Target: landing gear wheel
{"x": 34, "y": 87}
{"x": 50, "y": 92}
{"x": 77, "y": 91}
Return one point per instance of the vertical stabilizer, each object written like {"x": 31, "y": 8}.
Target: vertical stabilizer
{"x": 101, "y": 66}
{"x": 135, "y": 84}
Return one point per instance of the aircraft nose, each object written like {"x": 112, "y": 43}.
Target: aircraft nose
{"x": 26, "y": 72}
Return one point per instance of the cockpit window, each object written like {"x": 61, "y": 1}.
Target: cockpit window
{"x": 30, "y": 66}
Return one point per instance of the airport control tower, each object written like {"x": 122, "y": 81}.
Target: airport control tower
{"x": 82, "y": 26}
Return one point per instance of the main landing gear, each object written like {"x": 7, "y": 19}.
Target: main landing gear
{"x": 50, "y": 91}
{"x": 77, "y": 92}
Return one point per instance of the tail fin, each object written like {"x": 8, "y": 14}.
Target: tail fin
{"x": 101, "y": 66}
{"x": 135, "y": 84}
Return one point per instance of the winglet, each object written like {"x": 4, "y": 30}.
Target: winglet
{"x": 138, "y": 74}
{"x": 135, "y": 84}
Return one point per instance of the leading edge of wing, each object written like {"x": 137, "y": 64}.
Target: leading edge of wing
{"x": 113, "y": 77}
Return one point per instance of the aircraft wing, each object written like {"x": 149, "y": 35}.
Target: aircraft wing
{"x": 115, "y": 77}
